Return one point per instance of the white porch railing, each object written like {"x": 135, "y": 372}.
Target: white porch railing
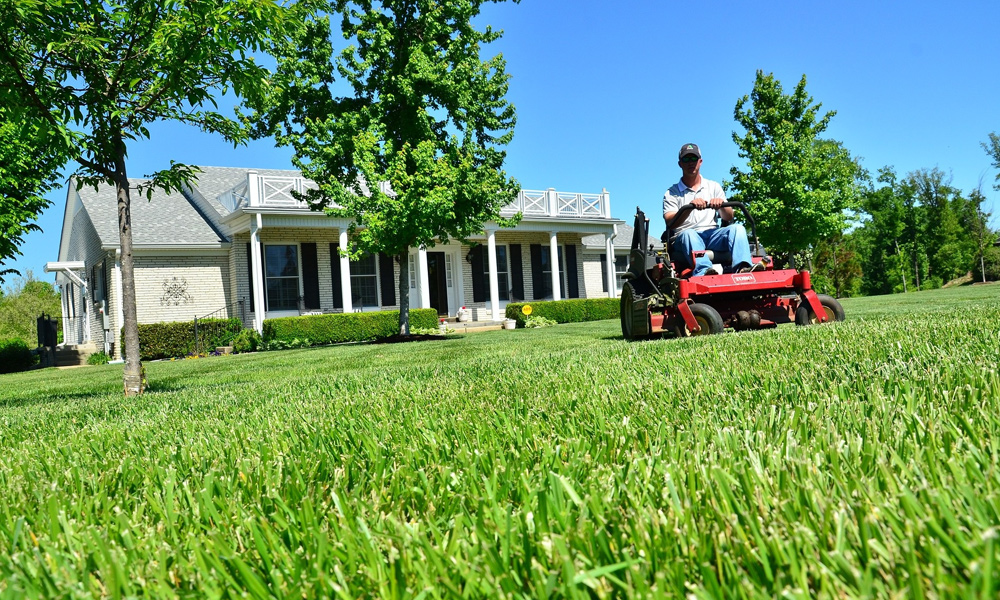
{"x": 550, "y": 203}
{"x": 276, "y": 192}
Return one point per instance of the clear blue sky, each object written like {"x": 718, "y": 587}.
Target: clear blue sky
{"x": 606, "y": 92}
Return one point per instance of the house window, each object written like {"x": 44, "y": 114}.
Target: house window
{"x": 621, "y": 267}
{"x": 364, "y": 281}
{"x": 281, "y": 271}
{"x": 547, "y": 272}
{"x": 412, "y": 266}
{"x": 503, "y": 281}
{"x": 97, "y": 282}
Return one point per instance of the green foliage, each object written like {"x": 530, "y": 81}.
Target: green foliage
{"x": 98, "y": 358}
{"x": 247, "y": 340}
{"x": 97, "y": 74}
{"x": 990, "y": 266}
{"x": 29, "y": 163}
{"x": 312, "y": 330}
{"x": 853, "y": 460}
{"x": 993, "y": 149}
{"x": 920, "y": 232}
{"x": 21, "y": 304}
{"x": 537, "y": 321}
{"x": 574, "y": 310}
{"x": 176, "y": 339}
{"x": 415, "y": 156}
{"x": 15, "y": 355}
{"x": 837, "y": 267}
{"x": 796, "y": 185}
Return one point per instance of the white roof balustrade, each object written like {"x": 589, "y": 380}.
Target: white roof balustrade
{"x": 272, "y": 191}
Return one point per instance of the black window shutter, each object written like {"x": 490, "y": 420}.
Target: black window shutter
{"x": 310, "y": 276}
{"x": 104, "y": 284}
{"x": 541, "y": 287}
{"x": 516, "y": 272}
{"x": 572, "y": 273}
{"x": 479, "y": 293}
{"x": 604, "y": 273}
{"x": 387, "y": 280}
{"x": 338, "y": 290}
{"x": 250, "y": 275}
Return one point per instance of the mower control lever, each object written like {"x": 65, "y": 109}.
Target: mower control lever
{"x": 689, "y": 207}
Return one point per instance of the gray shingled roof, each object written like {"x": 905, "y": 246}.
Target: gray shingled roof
{"x": 166, "y": 219}
{"x": 623, "y": 241}
{"x": 213, "y": 181}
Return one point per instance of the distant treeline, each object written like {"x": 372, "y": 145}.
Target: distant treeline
{"x": 912, "y": 233}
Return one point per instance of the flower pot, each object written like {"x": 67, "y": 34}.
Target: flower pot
{"x": 510, "y": 324}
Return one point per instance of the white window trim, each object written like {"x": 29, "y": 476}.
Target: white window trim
{"x": 273, "y": 314}
{"x": 486, "y": 271}
{"x": 563, "y": 284}
{"x": 378, "y": 286}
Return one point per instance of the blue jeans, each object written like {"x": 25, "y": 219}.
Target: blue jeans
{"x": 731, "y": 239}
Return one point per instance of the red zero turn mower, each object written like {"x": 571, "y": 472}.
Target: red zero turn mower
{"x": 660, "y": 296}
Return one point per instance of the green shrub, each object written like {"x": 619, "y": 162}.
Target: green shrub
{"x": 337, "y": 328}
{"x": 566, "y": 311}
{"x": 247, "y": 340}
{"x": 98, "y": 358}
{"x": 170, "y": 340}
{"x": 535, "y": 322}
{"x": 15, "y": 356}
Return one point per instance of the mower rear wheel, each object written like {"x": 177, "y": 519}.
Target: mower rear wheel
{"x": 708, "y": 319}
{"x": 625, "y": 309}
{"x": 804, "y": 315}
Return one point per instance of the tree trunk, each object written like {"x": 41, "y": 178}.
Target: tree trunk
{"x": 404, "y": 292}
{"x": 134, "y": 380}
{"x": 901, "y": 270}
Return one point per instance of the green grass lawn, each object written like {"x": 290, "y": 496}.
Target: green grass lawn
{"x": 858, "y": 459}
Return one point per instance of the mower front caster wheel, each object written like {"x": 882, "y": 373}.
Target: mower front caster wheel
{"x": 834, "y": 311}
{"x": 709, "y": 320}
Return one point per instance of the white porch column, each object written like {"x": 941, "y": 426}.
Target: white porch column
{"x": 609, "y": 247}
{"x": 423, "y": 279}
{"x": 258, "y": 274}
{"x": 491, "y": 244}
{"x": 554, "y": 261}
{"x": 345, "y": 274}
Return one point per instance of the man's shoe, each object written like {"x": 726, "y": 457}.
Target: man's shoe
{"x": 710, "y": 271}
{"x": 753, "y": 268}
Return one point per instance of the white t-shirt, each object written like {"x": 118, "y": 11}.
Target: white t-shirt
{"x": 679, "y": 194}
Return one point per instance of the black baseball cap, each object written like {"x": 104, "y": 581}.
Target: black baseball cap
{"x": 689, "y": 149}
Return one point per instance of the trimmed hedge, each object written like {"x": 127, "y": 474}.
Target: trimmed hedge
{"x": 574, "y": 310}
{"x": 345, "y": 327}
{"x": 15, "y": 356}
{"x": 169, "y": 340}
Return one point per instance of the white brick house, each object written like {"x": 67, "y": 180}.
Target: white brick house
{"x": 237, "y": 243}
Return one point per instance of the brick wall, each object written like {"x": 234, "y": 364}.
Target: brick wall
{"x": 179, "y": 288}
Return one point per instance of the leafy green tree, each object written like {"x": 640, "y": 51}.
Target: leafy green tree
{"x": 883, "y": 263}
{"x": 21, "y": 304}
{"x": 797, "y": 185}
{"x": 975, "y": 220}
{"x": 414, "y": 154}
{"x": 992, "y": 148}
{"x": 98, "y": 73}
{"x": 946, "y": 243}
{"x": 837, "y": 266}
{"x": 29, "y": 168}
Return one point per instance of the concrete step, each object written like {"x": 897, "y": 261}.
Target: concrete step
{"x": 74, "y": 355}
